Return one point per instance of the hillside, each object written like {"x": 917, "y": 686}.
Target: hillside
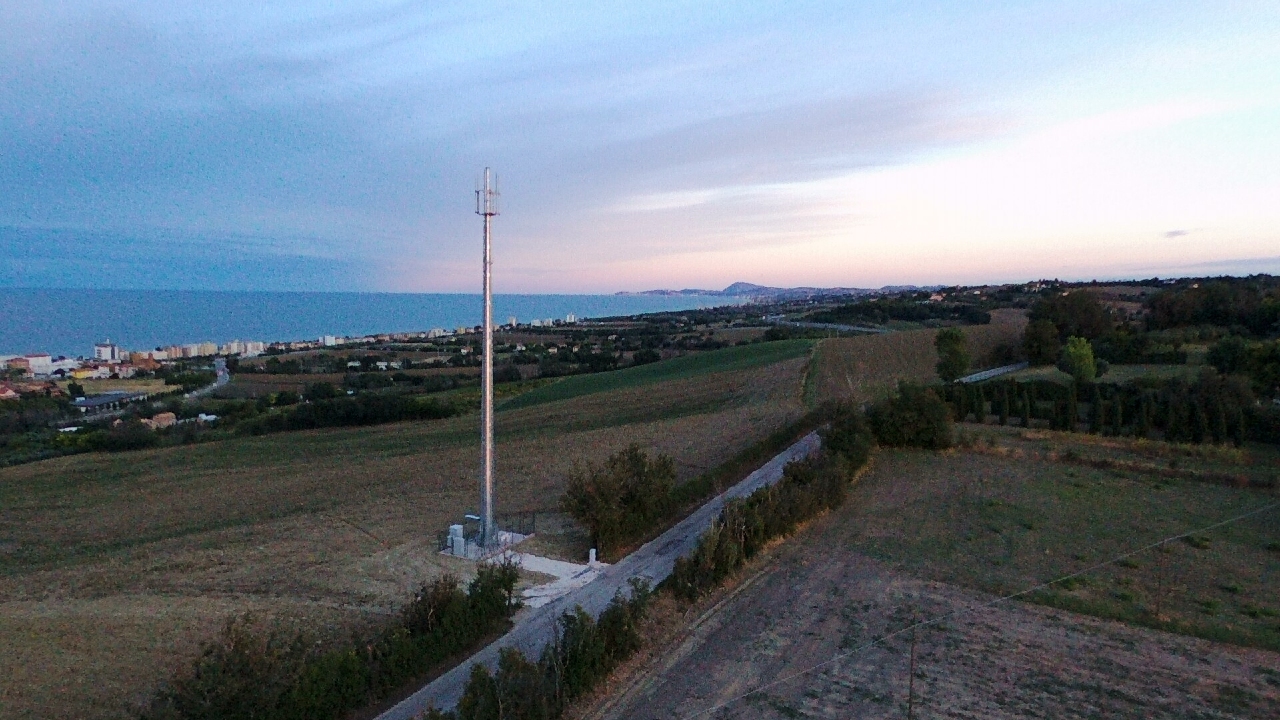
{"x": 117, "y": 566}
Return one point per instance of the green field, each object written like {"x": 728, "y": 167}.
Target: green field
{"x": 732, "y": 359}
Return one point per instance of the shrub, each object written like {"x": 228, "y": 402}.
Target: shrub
{"x": 807, "y": 487}
{"x": 913, "y": 417}
{"x": 253, "y": 671}
{"x": 507, "y": 374}
{"x": 582, "y": 654}
{"x": 953, "y": 355}
{"x": 128, "y": 435}
{"x": 322, "y": 391}
{"x": 848, "y": 435}
{"x": 1230, "y": 354}
{"x": 1077, "y": 360}
{"x": 645, "y": 356}
{"x": 621, "y": 499}
{"x": 1040, "y": 342}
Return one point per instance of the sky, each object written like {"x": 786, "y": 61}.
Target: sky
{"x": 638, "y": 145}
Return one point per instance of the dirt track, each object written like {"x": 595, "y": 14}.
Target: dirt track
{"x": 811, "y": 607}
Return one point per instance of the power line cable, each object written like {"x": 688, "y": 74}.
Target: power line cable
{"x": 980, "y": 606}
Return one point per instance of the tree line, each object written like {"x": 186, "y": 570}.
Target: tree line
{"x": 1208, "y": 409}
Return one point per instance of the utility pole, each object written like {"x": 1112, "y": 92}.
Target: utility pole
{"x": 487, "y": 207}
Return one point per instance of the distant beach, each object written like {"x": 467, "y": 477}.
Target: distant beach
{"x": 69, "y": 322}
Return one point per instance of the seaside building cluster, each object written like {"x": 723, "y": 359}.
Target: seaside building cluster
{"x": 109, "y": 361}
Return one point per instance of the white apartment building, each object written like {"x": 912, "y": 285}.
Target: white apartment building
{"x": 106, "y": 351}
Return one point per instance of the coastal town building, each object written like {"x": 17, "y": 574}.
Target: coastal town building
{"x": 161, "y": 420}
{"x": 106, "y": 350}
{"x": 40, "y": 364}
{"x": 106, "y": 402}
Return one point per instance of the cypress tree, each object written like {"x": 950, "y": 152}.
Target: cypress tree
{"x": 1004, "y": 404}
{"x": 1118, "y": 428}
{"x": 1173, "y": 425}
{"x": 1144, "y": 415}
{"x": 1095, "y": 410}
{"x": 1073, "y": 409}
{"x": 1199, "y": 422}
{"x": 1237, "y": 428}
{"x": 1026, "y": 408}
{"x": 982, "y": 406}
{"x": 1219, "y": 418}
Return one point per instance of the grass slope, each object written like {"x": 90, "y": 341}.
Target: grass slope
{"x": 1011, "y": 514}
{"x": 114, "y": 567}
{"x": 863, "y": 369}
{"x": 732, "y": 359}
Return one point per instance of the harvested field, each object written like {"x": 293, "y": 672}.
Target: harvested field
{"x": 814, "y": 612}
{"x": 95, "y": 387}
{"x": 928, "y": 535}
{"x": 862, "y": 369}
{"x": 115, "y": 566}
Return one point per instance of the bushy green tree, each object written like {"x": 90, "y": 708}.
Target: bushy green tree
{"x": 913, "y": 417}
{"x": 953, "y": 354}
{"x": 1230, "y": 355}
{"x": 322, "y": 391}
{"x": 621, "y": 498}
{"x": 1077, "y": 360}
{"x": 1077, "y": 312}
{"x": 1040, "y": 342}
{"x": 286, "y": 397}
{"x": 849, "y": 436}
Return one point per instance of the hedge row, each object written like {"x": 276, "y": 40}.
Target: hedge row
{"x": 807, "y": 488}
{"x": 367, "y": 409}
{"x": 631, "y": 495}
{"x": 1210, "y": 408}
{"x": 254, "y": 672}
{"x": 582, "y": 654}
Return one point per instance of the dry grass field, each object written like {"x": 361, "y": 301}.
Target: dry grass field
{"x": 114, "y": 567}
{"x": 927, "y": 535}
{"x": 862, "y": 369}
{"x": 94, "y": 387}
{"x": 1014, "y": 513}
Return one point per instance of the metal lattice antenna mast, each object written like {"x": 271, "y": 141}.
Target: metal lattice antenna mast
{"x": 487, "y": 207}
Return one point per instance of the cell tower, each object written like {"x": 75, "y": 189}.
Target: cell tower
{"x": 487, "y": 207}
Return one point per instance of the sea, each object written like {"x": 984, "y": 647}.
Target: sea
{"x": 69, "y": 322}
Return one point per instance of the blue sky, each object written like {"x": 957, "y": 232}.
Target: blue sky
{"x": 306, "y": 146}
